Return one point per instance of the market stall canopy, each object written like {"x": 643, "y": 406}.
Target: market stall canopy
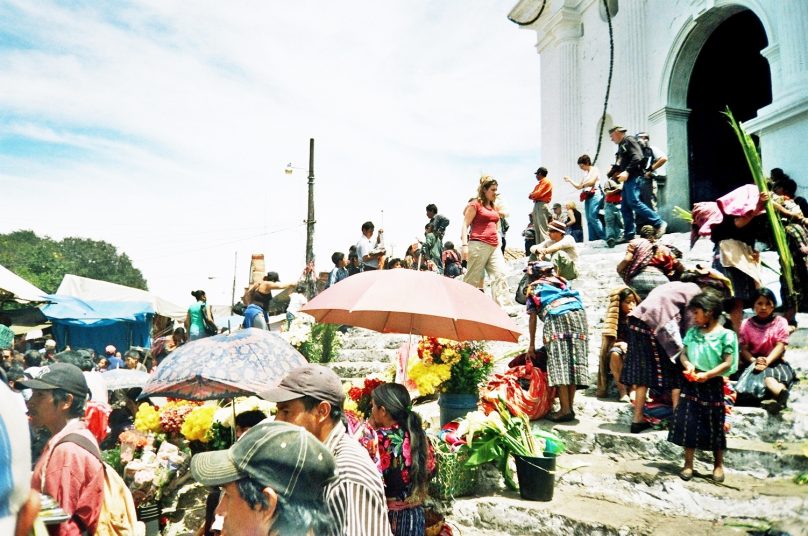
{"x": 15, "y": 288}
{"x": 95, "y": 324}
{"x": 85, "y": 288}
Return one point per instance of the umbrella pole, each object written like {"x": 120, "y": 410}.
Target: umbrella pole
{"x": 233, "y": 430}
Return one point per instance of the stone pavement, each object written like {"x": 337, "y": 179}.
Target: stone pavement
{"x": 614, "y": 482}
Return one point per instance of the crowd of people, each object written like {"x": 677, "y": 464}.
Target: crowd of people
{"x": 674, "y": 334}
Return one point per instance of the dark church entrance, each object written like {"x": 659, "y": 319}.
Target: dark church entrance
{"x": 729, "y": 71}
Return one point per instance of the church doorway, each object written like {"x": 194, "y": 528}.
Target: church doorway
{"x": 729, "y": 71}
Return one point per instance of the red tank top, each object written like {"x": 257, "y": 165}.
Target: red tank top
{"x": 484, "y": 225}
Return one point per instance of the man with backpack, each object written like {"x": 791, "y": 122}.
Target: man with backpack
{"x": 66, "y": 471}
{"x": 653, "y": 160}
{"x": 70, "y": 469}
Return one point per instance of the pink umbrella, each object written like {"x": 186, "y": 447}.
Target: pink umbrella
{"x": 419, "y": 303}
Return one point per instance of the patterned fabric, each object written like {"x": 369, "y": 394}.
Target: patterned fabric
{"x": 647, "y": 280}
{"x": 566, "y": 341}
{"x": 646, "y": 362}
{"x": 781, "y": 372}
{"x": 797, "y": 239}
{"x": 743, "y": 286}
{"x": 643, "y": 252}
{"x": 6, "y": 337}
{"x": 552, "y": 295}
{"x": 356, "y": 496}
{"x": 223, "y": 366}
{"x": 390, "y": 449}
{"x": 698, "y": 420}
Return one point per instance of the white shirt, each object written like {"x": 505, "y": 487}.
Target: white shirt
{"x": 364, "y": 247}
{"x": 566, "y": 244}
{"x": 296, "y": 301}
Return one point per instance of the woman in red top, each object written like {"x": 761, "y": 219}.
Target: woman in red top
{"x": 479, "y": 238}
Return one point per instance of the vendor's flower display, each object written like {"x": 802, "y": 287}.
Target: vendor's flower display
{"x": 197, "y": 424}
{"x": 360, "y": 396}
{"x": 499, "y": 435}
{"x": 147, "y": 418}
{"x": 148, "y": 475}
{"x": 224, "y": 415}
{"x": 173, "y": 414}
{"x": 445, "y": 366}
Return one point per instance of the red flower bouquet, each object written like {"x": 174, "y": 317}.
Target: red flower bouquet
{"x": 361, "y": 395}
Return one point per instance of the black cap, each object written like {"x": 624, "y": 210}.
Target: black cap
{"x": 59, "y": 376}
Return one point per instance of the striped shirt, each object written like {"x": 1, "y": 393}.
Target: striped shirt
{"x": 356, "y": 496}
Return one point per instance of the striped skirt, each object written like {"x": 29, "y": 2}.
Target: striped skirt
{"x": 698, "y": 420}
{"x": 647, "y": 280}
{"x": 566, "y": 340}
{"x": 408, "y": 522}
{"x": 646, "y": 362}
{"x": 781, "y": 372}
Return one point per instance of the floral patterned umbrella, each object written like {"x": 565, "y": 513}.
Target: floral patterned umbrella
{"x": 224, "y": 366}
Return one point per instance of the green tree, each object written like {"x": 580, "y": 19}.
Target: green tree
{"x": 44, "y": 261}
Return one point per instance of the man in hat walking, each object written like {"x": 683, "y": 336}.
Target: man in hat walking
{"x": 66, "y": 471}
{"x": 312, "y": 396}
{"x": 272, "y": 481}
{"x": 630, "y": 171}
{"x": 541, "y": 195}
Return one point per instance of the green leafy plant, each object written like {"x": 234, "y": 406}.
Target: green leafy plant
{"x": 755, "y": 166}
{"x": 322, "y": 344}
{"x": 500, "y": 435}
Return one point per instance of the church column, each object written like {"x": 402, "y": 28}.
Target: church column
{"x": 558, "y": 47}
{"x": 671, "y": 123}
{"x": 630, "y": 24}
{"x": 793, "y": 41}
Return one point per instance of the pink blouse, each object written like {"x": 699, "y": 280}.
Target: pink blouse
{"x": 762, "y": 338}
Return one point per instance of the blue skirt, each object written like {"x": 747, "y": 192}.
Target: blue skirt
{"x": 698, "y": 420}
{"x": 409, "y": 522}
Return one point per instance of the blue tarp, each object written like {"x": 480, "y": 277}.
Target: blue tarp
{"x": 95, "y": 324}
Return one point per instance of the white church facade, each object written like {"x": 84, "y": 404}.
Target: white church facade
{"x": 677, "y": 64}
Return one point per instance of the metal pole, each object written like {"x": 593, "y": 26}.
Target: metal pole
{"x": 310, "y": 218}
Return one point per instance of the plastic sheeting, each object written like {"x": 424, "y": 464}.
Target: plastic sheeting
{"x": 95, "y": 324}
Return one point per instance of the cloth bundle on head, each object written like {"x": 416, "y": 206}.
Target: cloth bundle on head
{"x": 705, "y": 215}
{"x": 741, "y": 201}
{"x": 110, "y": 350}
{"x": 558, "y": 226}
{"x": 537, "y": 267}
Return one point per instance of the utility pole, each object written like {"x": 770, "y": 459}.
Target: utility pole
{"x": 310, "y": 218}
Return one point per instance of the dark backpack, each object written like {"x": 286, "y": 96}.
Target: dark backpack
{"x": 439, "y": 224}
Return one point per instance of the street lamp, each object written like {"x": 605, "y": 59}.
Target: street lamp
{"x": 310, "y": 216}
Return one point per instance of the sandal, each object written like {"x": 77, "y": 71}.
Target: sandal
{"x": 686, "y": 474}
{"x": 567, "y": 417}
{"x": 637, "y": 427}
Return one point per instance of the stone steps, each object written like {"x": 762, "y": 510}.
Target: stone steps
{"x": 596, "y": 494}
{"x": 352, "y": 355}
{"x": 358, "y": 369}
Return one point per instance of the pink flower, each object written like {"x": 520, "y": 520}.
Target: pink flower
{"x": 405, "y": 450}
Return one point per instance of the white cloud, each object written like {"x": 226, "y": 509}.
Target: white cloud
{"x": 164, "y": 127}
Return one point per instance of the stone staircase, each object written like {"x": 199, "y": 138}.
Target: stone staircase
{"x": 611, "y": 482}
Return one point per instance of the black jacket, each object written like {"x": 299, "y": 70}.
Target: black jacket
{"x": 630, "y": 157}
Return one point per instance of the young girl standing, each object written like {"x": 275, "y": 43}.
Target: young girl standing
{"x": 710, "y": 352}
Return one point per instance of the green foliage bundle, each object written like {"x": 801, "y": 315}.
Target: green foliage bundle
{"x": 322, "y": 344}
{"x": 43, "y": 261}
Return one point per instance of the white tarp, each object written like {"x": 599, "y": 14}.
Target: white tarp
{"x": 14, "y": 287}
{"x": 92, "y": 289}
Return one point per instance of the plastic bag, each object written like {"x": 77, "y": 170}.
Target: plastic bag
{"x": 750, "y": 384}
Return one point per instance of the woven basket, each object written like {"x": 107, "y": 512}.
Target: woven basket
{"x": 434, "y": 523}
{"x": 452, "y": 477}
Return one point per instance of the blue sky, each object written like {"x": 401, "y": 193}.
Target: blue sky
{"x": 164, "y": 127}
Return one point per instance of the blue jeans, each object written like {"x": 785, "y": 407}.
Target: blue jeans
{"x": 592, "y": 208}
{"x": 614, "y": 221}
{"x": 632, "y": 205}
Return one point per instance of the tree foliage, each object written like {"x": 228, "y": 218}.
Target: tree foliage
{"x": 43, "y": 261}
